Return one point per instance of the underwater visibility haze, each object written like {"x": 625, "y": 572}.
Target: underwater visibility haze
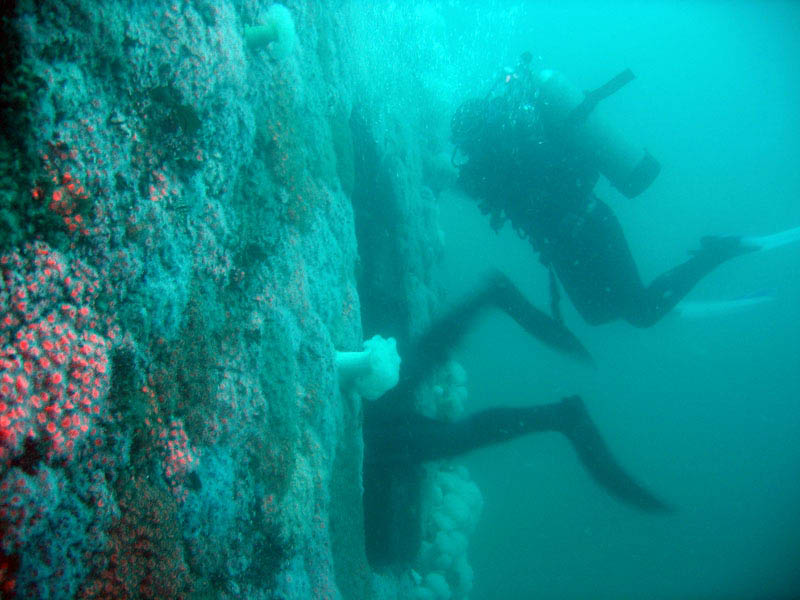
{"x": 289, "y": 309}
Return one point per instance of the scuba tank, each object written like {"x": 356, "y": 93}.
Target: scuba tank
{"x": 570, "y": 113}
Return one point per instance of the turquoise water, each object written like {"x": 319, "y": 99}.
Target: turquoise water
{"x": 705, "y": 412}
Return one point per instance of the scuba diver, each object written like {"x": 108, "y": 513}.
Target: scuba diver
{"x": 398, "y": 440}
{"x": 531, "y": 152}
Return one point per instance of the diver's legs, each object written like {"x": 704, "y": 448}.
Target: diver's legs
{"x": 596, "y": 268}
{"x": 594, "y": 264}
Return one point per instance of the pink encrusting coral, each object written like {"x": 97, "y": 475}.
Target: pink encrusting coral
{"x": 54, "y": 368}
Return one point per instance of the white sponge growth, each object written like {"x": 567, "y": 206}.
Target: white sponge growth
{"x": 372, "y": 372}
{"x": 452, "y": 505}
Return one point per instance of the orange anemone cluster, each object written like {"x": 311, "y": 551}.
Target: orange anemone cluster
{"x": 54, "y": 371}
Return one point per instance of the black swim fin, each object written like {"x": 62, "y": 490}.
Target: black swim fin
{"x": 436, "y": 344}
{"x": 602, "y": 466}
{"x": 506, "y": 296}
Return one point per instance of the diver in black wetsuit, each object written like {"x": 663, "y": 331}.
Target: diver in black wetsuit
{"x": 398, "y": 440}
{"x": 531, "y": 153}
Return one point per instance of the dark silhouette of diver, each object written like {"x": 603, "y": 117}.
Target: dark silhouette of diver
{"x": 531, "y": 153}
{"x": 398, "y": 440}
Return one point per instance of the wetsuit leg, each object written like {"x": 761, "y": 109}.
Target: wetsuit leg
{"x": 596, "y": 268}
{"x": 594, "y": 264}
